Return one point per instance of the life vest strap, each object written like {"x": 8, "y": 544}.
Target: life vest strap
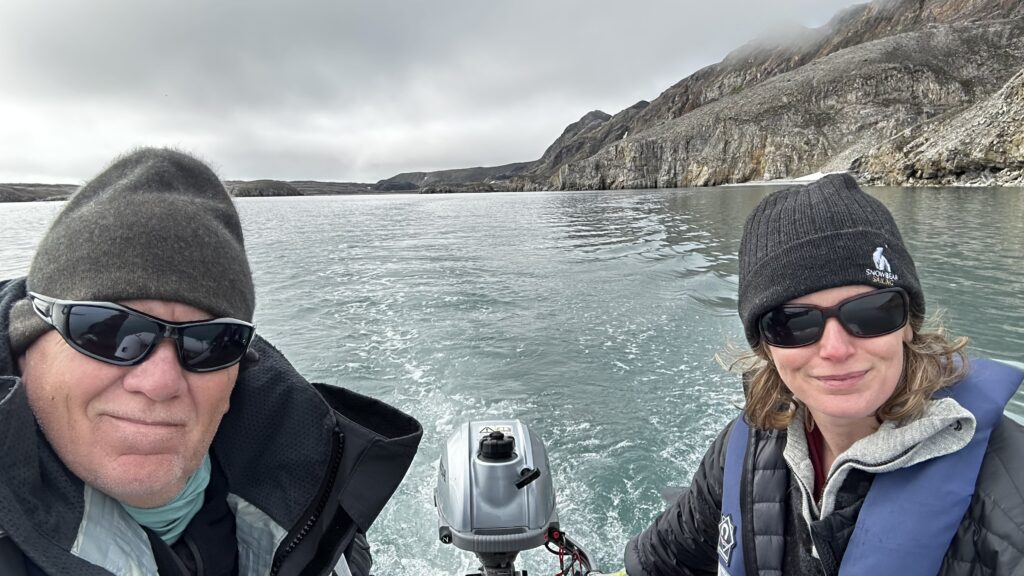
{"x": 731, "y": 559}
{"x": 911, "y": 515}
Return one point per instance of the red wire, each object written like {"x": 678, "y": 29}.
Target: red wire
{"x": 575, "y": 558}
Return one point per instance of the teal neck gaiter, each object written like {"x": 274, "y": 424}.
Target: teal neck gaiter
{"x": 170, "y": 520}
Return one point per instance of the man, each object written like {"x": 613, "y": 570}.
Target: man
{"x": 145, "y": 428}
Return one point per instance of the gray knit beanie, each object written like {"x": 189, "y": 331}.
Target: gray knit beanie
{"x": 823, "y": 235}
{"x": 157, "y": 224}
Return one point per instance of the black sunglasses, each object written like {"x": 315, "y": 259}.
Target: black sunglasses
{"x": 867, "y": 315}
{"x": 119, "y": 335}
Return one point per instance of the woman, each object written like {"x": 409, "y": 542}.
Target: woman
{"x": 868, "y": 445}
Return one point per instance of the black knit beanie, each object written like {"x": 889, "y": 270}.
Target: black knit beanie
{"x": 823, "y": 235}
{"x": 157, "y": 224}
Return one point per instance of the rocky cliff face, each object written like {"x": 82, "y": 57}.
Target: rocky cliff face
{"x": 764, "y": 59}
{"x": 457, "y": 180}
{"x": 820, "y": 116}
{"x": 823, "y": 99}
{"x": 982, "y": 145}
{"x": 586, "y": 137}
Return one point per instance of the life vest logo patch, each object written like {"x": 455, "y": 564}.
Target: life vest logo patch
{"x": 726, "y": 538}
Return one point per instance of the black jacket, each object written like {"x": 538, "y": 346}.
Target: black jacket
{"x": 308, "y": 469}
{"x": 683, "y": 539}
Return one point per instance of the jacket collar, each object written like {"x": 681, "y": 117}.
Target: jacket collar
{"x": 944, "y": 428}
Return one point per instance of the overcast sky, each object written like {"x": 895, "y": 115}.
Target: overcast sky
{"x": 342, "y": 90}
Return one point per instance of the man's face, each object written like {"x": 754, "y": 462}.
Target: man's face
{"x": 138, "y": 432}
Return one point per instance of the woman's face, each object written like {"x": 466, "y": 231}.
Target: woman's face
{"x": 842, "y": 379}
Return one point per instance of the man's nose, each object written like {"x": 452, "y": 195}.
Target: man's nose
{"x": 160, "y": 376}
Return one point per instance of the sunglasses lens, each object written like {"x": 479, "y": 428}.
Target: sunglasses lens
{"x": 113, "y": 335}
{"x": 213, "y": 346}
{"x": 874, "y": 314}
{"x": 865, "y": 316}
{"x": 791, "y": 326}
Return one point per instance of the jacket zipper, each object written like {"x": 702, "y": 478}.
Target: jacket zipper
{"x": 810, "y": 533}
{"x": 321, "y": 504}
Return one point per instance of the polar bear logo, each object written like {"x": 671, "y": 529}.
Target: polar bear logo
{"x": 881, "y": 263}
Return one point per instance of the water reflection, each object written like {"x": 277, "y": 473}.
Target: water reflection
{"x": 684, "y": 241}
{"x": 968, "y": 244}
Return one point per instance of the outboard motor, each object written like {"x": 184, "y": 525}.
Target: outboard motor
{"x": 495, "y": 497}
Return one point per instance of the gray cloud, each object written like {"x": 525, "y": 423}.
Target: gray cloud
{"x": 342, "y": 90}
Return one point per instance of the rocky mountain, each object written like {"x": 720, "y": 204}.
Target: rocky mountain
{"x": 982, "y": 145}
{"x": 789, "y": 50}
{"x": 581, "y": 139}
{"x": 818, "y": 100}
{"x": 586, "y": 137}
{"x": 450, "y": 180}
{"x": 819, "y": 117}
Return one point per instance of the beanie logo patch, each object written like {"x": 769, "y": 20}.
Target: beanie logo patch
{"x": 882, "y": 274}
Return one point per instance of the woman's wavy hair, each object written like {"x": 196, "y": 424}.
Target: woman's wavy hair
{"x": 931, "y": 361}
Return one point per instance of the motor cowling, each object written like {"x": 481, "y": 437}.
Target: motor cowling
{"x": 495, "y": 494}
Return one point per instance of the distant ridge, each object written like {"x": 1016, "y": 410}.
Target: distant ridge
{"x": 35, "y": 192}
{"x": 819, "y": 100}
{"x": 264, "y": 188}
{"x": 238, "y": 188}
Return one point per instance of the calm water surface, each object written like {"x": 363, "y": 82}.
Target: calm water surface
{"x": 592, "y": 316}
